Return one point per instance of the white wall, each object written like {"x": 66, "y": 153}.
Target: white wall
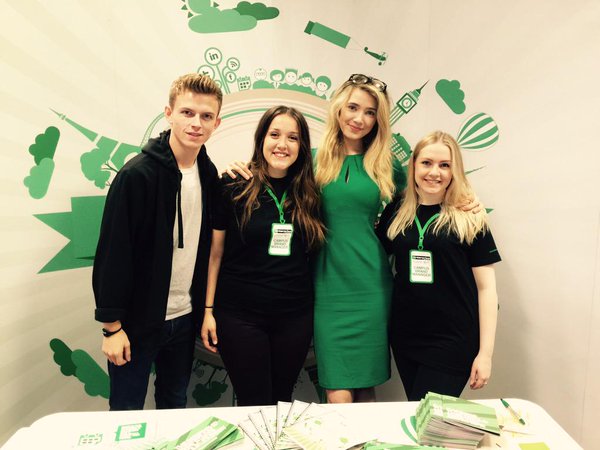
{"x": 533, "y": 66}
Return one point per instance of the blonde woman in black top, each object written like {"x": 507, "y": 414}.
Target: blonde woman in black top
{"x": 444, "y": 306}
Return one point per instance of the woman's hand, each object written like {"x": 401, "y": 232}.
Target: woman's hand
{"x": 481, "y": 370}
{"x": 208, "y": 333}
{"x": 471, "y": 204}
{"x": 238, "y": 168}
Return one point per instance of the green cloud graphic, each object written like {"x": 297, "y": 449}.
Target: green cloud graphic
{"x": 45, "y": 145}
{"x": 62, "y": 357}
{"x": 199, "y": 6}
{"x": 94, "y": 379}
{"x": 39, "y": 177}
{"x": 215, "y": 21}
{"x": 258, "y": 10}
{"x": 452, "y": 94}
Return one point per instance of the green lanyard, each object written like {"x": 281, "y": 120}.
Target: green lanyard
{"x": 422, "y": 230}
{"x": 278, "y": 203}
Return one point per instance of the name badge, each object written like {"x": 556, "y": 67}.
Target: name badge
{"x": 281, "y": 239}
{"x": 421, "y": 266}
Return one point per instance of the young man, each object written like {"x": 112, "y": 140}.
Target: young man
{"x": 150, "y": 268}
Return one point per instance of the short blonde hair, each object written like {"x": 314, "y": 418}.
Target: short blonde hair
{"x": 197, "y": 83}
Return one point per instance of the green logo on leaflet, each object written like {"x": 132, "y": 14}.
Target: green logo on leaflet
{"x": 131, "y": 431}
{"x": 89, "y": 439}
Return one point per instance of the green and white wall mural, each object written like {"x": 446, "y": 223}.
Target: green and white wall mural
{"x": 84, "y": 84}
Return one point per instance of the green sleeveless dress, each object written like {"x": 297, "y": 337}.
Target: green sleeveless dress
{"x": 353, "y": 283}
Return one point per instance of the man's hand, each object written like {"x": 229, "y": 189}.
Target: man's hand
{"x": 239, "y": 168}
{"x": 116, "y": 347}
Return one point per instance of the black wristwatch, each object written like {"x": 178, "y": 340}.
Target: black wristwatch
{"x": 107, "y": 333}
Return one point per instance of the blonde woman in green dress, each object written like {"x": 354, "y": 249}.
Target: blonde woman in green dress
{"x": 356, "y": 172}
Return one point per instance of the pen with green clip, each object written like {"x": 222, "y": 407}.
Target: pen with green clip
{"x": 512, "y": 411}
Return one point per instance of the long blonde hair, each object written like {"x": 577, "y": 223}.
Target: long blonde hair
{"x": 378, "y": 156}
{"x": 465, "y": 225}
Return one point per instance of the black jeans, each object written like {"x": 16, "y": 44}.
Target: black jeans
{"x": 419, "y": 379}
{"x": 172, "y": 358}
{"x": 263, "y": 354}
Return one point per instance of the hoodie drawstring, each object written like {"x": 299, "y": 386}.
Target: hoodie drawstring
{"x": 179, "y": 218}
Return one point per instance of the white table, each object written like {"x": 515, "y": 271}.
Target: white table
{"x": 98, "y": 430}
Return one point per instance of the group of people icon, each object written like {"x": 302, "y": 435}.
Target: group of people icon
{"x": 293, "y": 80}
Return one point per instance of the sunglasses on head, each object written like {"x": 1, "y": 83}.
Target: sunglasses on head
{"x": 359, "y": 78}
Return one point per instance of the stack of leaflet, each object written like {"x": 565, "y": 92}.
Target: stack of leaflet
{"x": 447, "y": 421}
{"x": 376, "y": 445}
{"x": 300, "y": 425}
{"x": 211, "y": 434}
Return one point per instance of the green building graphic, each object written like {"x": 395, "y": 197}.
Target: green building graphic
{"x": 106, "y": 158}
{"x": 406, "y": 103}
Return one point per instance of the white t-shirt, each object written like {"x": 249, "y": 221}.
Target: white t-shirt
{"x": 184, "y": 259}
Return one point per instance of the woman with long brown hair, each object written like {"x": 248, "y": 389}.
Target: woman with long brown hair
{"x": 259, "y": 299}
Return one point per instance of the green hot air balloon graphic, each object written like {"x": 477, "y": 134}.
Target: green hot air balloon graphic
{"x": 478, "y": 133}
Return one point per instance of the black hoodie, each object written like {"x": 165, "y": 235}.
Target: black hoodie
{"x": 132, "y": 267}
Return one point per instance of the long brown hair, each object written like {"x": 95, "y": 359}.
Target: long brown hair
{"x": 303, "y": 196}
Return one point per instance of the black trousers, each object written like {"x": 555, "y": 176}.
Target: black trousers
{"x": 419, "y": 379}
{"x": 172, "y": 357}
{"x": 263, "y": 354}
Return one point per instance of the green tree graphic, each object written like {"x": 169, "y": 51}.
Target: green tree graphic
{"x": 209, "y": 392}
